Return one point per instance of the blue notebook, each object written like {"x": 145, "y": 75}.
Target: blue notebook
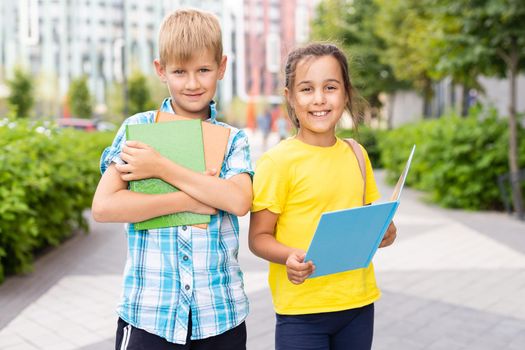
{"x": 348, "y": 239}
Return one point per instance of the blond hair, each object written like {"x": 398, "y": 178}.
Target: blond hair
{"x": 183, "y": 33}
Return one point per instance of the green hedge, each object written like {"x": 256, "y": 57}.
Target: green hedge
{"x": 457, "y": 160}
{"x": 47, "y": 179}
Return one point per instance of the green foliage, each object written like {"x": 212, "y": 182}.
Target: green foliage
{"x": 457, "y": 160}
{"x": 20, "y": 100}
{"x": 408, "y": 38}
{"x": 47, "y": 179}
{"x": 368, "y": 138}
{"x": 352, "y": 24}
{"x": 139, "y": 94}
{"x": 491, "y": 31}
{"x": 115, "y": 103}
{"x": 80, "y": 98}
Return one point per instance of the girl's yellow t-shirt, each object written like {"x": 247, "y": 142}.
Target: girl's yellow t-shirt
{"x": 300, "y": 182}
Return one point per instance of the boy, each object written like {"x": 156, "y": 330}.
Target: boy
{"x": 183, "y": 287}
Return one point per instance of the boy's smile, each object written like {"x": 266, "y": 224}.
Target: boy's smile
{"x": 192, "y": 84}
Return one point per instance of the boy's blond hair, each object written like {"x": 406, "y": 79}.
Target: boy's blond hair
{"x": 183, "y": 33}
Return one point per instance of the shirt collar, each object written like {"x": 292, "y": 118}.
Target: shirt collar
{"x": 166, "y": 107}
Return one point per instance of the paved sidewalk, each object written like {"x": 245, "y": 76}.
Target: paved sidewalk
{"x": 453, "y": 280}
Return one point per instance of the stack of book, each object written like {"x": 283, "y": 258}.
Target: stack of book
{"x": 191, "y": 143}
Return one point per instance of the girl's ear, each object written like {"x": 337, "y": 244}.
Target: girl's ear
{"x": 288, "y": 96}
{"x": 160, "y": 70}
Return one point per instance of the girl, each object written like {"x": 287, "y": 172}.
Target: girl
{"x": 294, "y": 184}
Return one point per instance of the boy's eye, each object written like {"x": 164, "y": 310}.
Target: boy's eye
{"x": 204, "y": 70}
{"x": 178, "y": 71}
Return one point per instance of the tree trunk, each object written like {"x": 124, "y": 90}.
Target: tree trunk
{"x": 428, "y": 93}
{"x": 517, "y": 197}
{"x": 464, "y": 100}
{"x": 390, "y": 115}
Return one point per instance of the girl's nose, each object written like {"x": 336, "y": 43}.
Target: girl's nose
{"x": 319, "y": 97}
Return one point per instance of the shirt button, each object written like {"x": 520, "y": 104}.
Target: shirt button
{"x": 187, "y": 287}
{"x": 185, "y": 258}
{"x": 184, "y": 227}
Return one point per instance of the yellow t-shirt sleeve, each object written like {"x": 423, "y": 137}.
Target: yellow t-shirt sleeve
{"x": 269, "y": 186}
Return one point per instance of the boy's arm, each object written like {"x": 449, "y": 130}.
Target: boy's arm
{"x": 263, "y": 243}
{"x": 233, "y": 195}
{"x": 113, "y": 202}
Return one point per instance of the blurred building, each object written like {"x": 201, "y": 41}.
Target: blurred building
{"x": 407, "y": 106}
{"x": 272, "y": 29}
{"x": 106, "y": 39}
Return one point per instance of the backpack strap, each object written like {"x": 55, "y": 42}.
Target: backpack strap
{"x": 354, "y": 145}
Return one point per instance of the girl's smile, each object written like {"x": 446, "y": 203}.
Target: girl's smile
{"x": 318, "y": 98}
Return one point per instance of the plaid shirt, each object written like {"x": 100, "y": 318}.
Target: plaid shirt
{"x": 173, "y": 270}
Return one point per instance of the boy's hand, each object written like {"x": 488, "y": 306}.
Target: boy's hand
{"x": 390, "y": 236}
{"x": 143, "y": 162}
{"x": 297, "y": 269}
{"x": 194, "y": 206}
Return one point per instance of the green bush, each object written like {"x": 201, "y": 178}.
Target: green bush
{"x": 368, "y": 138}
{"x": 457, "y": 160}
{"x": 47, "y": 179}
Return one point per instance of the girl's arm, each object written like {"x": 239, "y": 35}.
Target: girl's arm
{"x": 233, "y": 195}
{"x": 113, "y": 202}
{"x": 262, "y": 243}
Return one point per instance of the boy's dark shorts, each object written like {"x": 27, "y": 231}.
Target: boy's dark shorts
{"x": 131, "y": 338}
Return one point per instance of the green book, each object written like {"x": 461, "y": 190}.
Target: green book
{"x": 181, "y": 142}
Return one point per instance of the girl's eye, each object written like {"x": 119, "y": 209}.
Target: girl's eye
{"x": 178, "y": 71}
{"x": 306, "y": 89}
{"x": 331, "y": 87}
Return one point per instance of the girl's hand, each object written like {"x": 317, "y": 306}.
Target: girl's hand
{"x": 297, "y": 269}
{"x": 390, "y": 236}
{"x": 143, "y": 162}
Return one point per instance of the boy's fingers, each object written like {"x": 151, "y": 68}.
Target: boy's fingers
{"x": 210, "y": 172}
{"x": 123, "y": 168}
{"x": 124, "y": 156}
{"x": 136, "y": 144}
{"x": 128, "y": 150}
{"x": 127, "y": 177}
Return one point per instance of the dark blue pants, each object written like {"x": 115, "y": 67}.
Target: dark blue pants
{"x": 341, "y": 330}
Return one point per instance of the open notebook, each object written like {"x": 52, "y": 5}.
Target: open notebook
{"x": 348, "y": 239}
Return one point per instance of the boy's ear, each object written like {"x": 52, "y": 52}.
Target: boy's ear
{"x": 160, "y": 70}
{"x": 222, "y": 66}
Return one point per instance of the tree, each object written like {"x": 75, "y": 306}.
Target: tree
{"x": 351, "y": 23}
{"x": 410, "y": 48}
{"x": 20, "y": 100}
{"x": 80, "y": 98}
{"x": 139, "y": 94}
{"x": 492, "y": 33}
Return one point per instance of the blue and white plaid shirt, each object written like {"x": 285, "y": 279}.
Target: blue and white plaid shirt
{"x": 170, "y": 271}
